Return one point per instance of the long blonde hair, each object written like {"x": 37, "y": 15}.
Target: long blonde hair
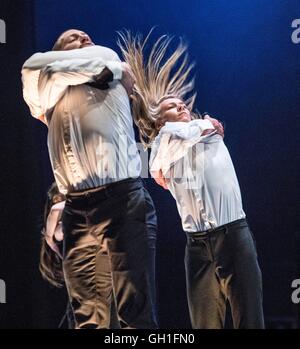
{"x": 159, "y": 77}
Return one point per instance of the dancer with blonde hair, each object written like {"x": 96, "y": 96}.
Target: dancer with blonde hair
{"x": 189, "y": 158}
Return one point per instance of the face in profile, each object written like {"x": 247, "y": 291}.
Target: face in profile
{"x": 74, "y": 39}
{"x": 174, "y": 109}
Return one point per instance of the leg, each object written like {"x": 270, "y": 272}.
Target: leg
{"x": 207, "y": 303}
{"x": 244, "y": 287}
{"x": 151, "y": 222}
{"x": 81, "y": 248}
{"x": 129, "y": 252}
{"x": 105, "y": 291}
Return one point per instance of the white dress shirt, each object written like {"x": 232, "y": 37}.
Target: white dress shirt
{"x": 91, "y": 139}
{"x": 199, "y": 173}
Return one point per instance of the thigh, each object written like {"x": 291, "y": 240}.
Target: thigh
{"x": 127, "y": 226}
{"x": 205, "y": 299}
{"x": 129, "y": 252}
{"x": 245, "y": 287}
{"x": 200, "y": 269}
{"x": 79, "y": 265}
{"x": 77, "y": 230}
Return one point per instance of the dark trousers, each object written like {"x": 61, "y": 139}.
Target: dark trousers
{"x": 221, "y": 265}
{"x": 103, "y": 265}
{"x": 117, "y": 220}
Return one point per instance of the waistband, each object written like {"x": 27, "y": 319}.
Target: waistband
{"x": 218, "y": 229}
{"x": 88, "y": 196}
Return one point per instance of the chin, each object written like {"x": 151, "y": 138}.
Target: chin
{"x": 185, "y": 119}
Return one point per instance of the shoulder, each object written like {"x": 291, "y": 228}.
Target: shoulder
{"x": 103, "y": 51}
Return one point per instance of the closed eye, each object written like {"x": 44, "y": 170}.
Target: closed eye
{"x": 170, "y": 106}
{"x": 72, "y": 38}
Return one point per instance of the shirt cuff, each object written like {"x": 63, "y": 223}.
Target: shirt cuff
{"x": 206, "y": 125}
{"x": 116, "y": 68}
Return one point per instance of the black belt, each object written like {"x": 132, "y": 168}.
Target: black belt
{"x": 203, "y": 233}
{"x": 90, "y": 196}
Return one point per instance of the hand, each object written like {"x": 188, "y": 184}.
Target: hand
{"x": 53, "y": 232}
{"x": 160, "y": 179}
{"x": 58, "y": 233}
{"x": 52, "y": 244}
{"x": 128, "y": 78}
{"x": 217, "y": 125}
{"x": 43, "y": 119}
{"x": 104, "y": 77}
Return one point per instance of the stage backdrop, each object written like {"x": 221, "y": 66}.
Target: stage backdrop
{"x": 247, "y": 71}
